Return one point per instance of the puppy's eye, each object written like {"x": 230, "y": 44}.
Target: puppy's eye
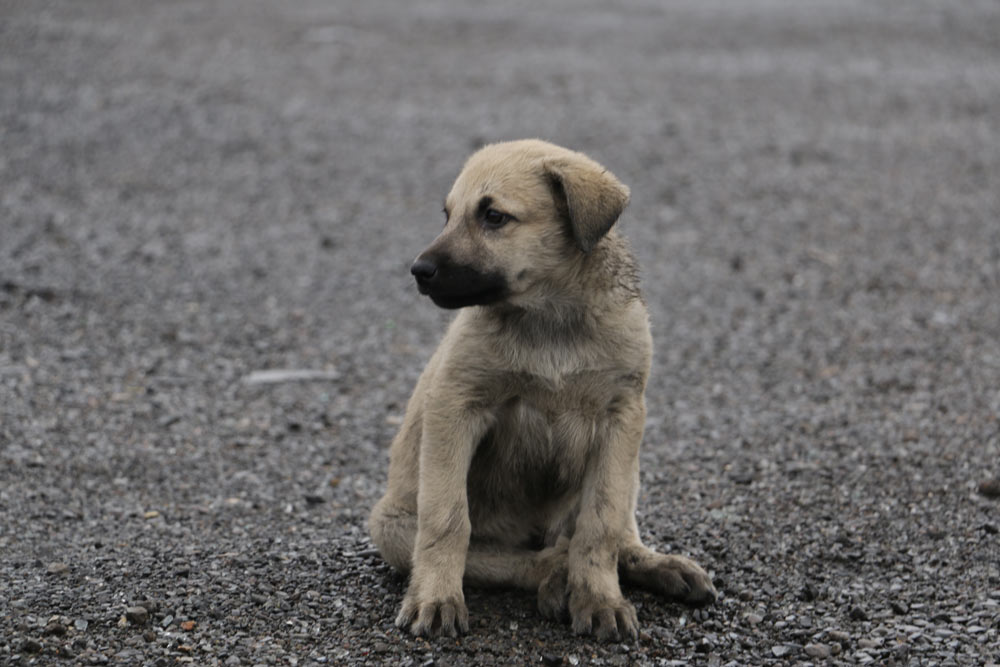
{"x": 496, "y": 219}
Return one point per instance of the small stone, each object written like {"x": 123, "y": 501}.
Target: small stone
{"x": 746, "y": 596}
{"x": 780, "y": 651}
{"x": 167, "y": 620}
{"x": 819, "y": 651}
{"x": 899, "y": 607}
{"x": 31, "y": 646}
{"x": 151, "y": 514}
{"x": 81, "y": 624}
{"x": 57, "y": 629}
{"x": 137, "y": 615}
{"x": 166, "y": 421}
{"x": 233, "y": 661}
{"x": 990, "y": 488}
{"x": 836, "y": 648}
{"x": 149, "y": 636}
{"x": 808, "y": 593}
{"x": 868, "y": 643}
{"x": 57, "y": 568}
{"x": 858, "y": 614}
{"x": 755, "y": 619}
{"x": 314, "y": 499}
{"x": 838, "y": 636}
{"x": 187, "y": 626}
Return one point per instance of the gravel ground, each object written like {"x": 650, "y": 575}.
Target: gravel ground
{"x": 195, "y": 191}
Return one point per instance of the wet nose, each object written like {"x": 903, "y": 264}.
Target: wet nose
{"x": 423, "y": 269}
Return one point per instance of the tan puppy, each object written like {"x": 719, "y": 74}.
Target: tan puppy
{"x": 517, "y": 462}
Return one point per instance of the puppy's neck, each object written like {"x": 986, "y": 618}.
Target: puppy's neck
{"x": 551, "y": 321}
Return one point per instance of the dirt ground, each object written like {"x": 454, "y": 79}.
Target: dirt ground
{"x": 192, "y": 192}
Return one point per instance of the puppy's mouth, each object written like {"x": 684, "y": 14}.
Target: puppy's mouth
{"x": 482, "y": 297}
{"x": 455, "y": 286}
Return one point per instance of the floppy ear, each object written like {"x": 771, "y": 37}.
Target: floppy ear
{"x": 590, "y": 195}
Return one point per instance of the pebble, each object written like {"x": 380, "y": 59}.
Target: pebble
{"x": 990, "y": 488}
{"x": 137, "y": 615}
{"x": 57, "y": 629}
{"x": 57, "y": 568}
{"x": 838, "y": 636}
{"x": 819, "y": 651}
{"x": 31, "y": 646}
{"x": 782, "y": 650}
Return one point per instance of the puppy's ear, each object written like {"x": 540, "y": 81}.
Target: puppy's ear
{"x": 589, "y": 195}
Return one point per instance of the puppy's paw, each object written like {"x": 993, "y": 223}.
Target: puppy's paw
{"x": 607, "y": 619}
{"x": 438, "y": 615}
{"x": 682, "y": 579}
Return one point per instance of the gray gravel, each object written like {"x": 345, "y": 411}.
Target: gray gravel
{"x": 193, "y": 192}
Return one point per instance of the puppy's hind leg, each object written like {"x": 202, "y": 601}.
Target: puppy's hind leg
{"x": 672, "y": 576}
{"x": 394, "y": 532}
{"x": 544, "y": 571}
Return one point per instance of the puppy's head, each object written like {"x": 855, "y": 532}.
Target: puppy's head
{"x": 517, "y": 213}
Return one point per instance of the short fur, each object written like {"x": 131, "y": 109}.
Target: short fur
{"x": 517, "y": 461}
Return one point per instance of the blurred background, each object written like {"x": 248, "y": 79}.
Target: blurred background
{"x": 192, "y": 192}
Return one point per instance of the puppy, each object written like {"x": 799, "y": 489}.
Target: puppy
{"x": 517, "y": 463}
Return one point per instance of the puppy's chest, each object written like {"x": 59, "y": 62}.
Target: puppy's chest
{"x": 550, "y": 425}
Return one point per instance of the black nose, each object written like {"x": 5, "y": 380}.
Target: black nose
{"x": 423, "y": 269}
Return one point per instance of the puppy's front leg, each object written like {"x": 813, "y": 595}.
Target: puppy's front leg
{"x": 434, "y": 603}
{"x": 606, "y": 515}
